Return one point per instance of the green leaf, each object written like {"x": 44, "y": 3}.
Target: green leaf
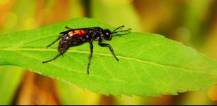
{"x": 149, "y": 65}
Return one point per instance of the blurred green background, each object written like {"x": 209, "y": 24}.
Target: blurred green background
{"x": 192, "y": 22}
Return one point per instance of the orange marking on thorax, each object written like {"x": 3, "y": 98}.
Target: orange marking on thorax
{"x": 78, "y": 33}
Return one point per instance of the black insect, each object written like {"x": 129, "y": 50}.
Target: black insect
{"x": 74, "y": 37}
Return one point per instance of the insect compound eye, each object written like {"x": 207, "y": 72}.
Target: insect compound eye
{"x": 107, "y": 35}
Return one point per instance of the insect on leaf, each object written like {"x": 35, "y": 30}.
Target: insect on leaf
{"x": 149, "y": 65}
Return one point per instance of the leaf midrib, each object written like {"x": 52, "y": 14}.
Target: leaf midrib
{"x": 106, "y": 55}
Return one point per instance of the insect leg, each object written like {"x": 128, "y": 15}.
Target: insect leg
{"x": 54, "y": 58}
{"x": 110, "y": 48}
{"x": 90, "y": 56}
{"x": 54, "y": 41}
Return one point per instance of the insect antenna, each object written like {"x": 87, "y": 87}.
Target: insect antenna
{"x": 120, "y": 27}
{"x": 126, "y": 30}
